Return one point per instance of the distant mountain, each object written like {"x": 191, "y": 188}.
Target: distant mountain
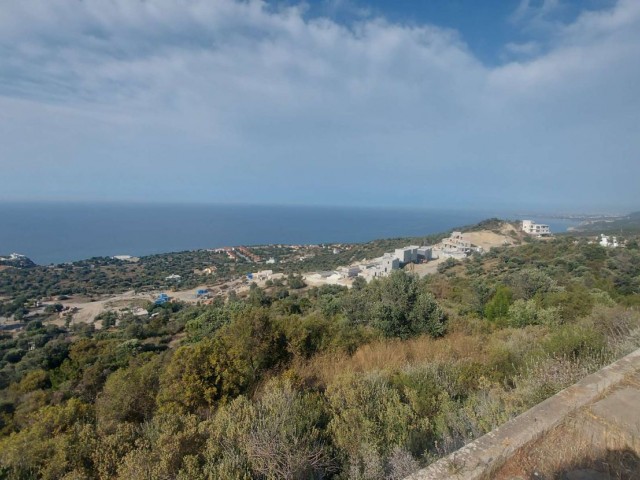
{"x": 627, "y": 224}
{"x": 16, "y": 260}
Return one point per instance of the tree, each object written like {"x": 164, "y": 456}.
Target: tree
{"x": 295, "y": 281}
{"x": 400, "y": 307}
{"x": 498, "y": 306}
{"x": 129, "y": 394}
{"x": 223, "y": 367}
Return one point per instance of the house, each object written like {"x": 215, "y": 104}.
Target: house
{"x": 606, "y": 241}
{"x": 537, "y": 229}
{"x": 262, "y": 275}
{"x": 407, "y": 254}
{"x": 126, "y": 258}
{"x": 425, "y": 253}
{"x": 350, "y": 271}
{"x": 457, "y": 243}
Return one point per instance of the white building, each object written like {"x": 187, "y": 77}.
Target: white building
{"x": 456, "y": 243}
{"x": 606, "y": 241}
{"x": 379, "y": 267}
{"x": 407, "y": 254}
{"x": 425, "y": 253}
{"x": 125, "y": 258}
{"x": 349, "y": 272}
{"x": 532, "y": 228}
{"x": 387, "y": 264}
{"x": 263, "y": 275}
{"x": 458, "y": 255}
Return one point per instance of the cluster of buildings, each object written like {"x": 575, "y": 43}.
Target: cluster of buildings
{"x": 607, "y": 241}
{"x": 235, "y": 253}
{"x": 532, "y": 228}
{"x": 456, "y": 246}
{"x": 13, "y": 257}
{"x": 261, "y": 275}
{"x": 248, "y": 254}
{"x": 229, "y": 251}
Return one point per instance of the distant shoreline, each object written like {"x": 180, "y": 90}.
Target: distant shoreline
{"x": 49, "y": 234}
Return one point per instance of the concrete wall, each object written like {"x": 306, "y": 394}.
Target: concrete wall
{"x": 478, "y": 459}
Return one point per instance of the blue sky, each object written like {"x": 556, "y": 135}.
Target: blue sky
{"x": 526, "y": 104}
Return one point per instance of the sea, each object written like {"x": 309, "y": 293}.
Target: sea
{"x": 51, "y": 233}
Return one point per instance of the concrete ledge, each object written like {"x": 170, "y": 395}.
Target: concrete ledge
{"x": 479, "y": 458}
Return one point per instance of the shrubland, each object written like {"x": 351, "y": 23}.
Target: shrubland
{"x": 366, "y": 383}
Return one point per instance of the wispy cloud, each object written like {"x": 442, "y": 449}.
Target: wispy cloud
{"x": 535, "y": 14}
{"x": 246, "y": 101}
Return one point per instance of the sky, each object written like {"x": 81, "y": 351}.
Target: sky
{"x": 525, "y": 104}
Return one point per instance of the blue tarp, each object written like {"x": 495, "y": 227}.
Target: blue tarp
{"x": 162, "y": 298}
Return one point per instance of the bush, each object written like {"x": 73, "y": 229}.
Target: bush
{"x": 369, "y": 421}
{"x": 498, "y": 306}
{"x": 575, "y": 341}
{"x": 523, "y": 313}
{"x": 399, "y": 306}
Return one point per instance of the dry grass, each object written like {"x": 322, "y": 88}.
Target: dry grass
{"x": 393, "y": 355}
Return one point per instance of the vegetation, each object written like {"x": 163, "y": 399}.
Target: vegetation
{"x": 104, "y": 275}
{"x": 626, "y": 224}
{"x": 297, "y": 382}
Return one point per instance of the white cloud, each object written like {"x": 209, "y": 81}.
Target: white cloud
{"x": 535, "y": 14}
{"x": 524, "y": 49}
{"x": 224, "y": 93}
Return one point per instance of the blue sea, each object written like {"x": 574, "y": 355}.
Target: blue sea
{"x": 59, "y": 232}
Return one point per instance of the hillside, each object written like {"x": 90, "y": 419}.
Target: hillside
{"x": 288, "y": 382}
{"x": 629, "y": 224}
{"x": 16, "y": 261}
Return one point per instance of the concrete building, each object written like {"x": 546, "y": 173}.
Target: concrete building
{"x": 349, "y": 272}
{"x": 407, "y": 254}
{"x": 379, "y": 267}
{"x": 532, "y": 228}
{"x": 425, "y": 253}
{"x": 262, "y": 275}
{"x": 125, "y": 258}
{"x": 607, "y": 241}
{"x": 456, "y": 243}
{"x": 458, "y": 255}
{"x": 388, "y": 263}
{"x": 324, "y": 278}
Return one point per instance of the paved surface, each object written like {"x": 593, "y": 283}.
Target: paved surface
{"x": 604, "y": 410}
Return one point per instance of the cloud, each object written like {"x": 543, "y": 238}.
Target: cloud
{"x": 243, "y": 101}
{"x": 519, "y": 50}
{"x": 535, "y": 14}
